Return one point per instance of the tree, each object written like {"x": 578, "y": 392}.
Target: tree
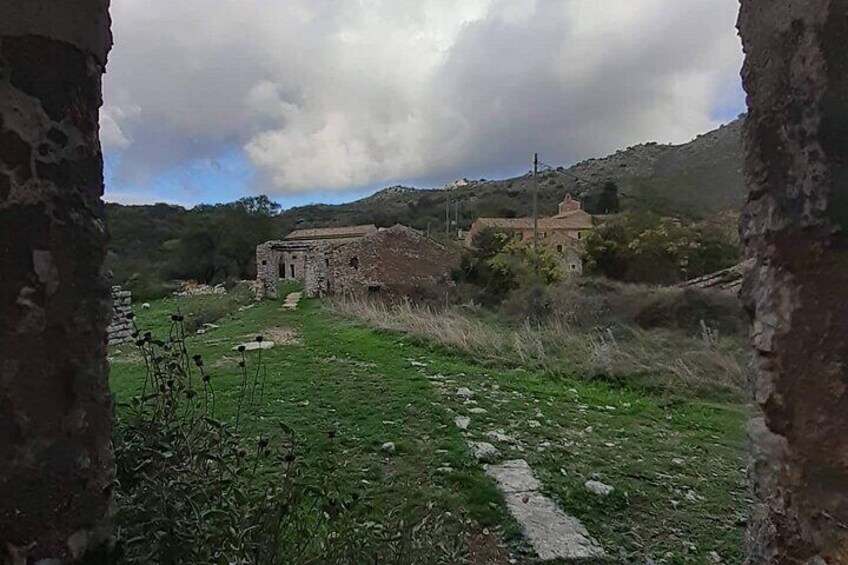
{"x": 502, "y": 262}
{"x": 218, "y": 242}
{"x": 646, "y": 248}
{"x": 56, "y": 463}
{"x": 605, "y": 201}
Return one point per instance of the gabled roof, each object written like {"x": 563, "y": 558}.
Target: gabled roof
{"x": 578, "y": 220}
{"x": 332, "y": 233}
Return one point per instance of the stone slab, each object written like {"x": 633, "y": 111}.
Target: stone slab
{"x": 552, "y": 533}
{"x": 513, "y": 476}
{"x": 254, "y": 345}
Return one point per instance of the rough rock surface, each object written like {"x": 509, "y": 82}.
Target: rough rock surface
{"x": 462, "y": 422}
{"x": 56, "y": 464}
{"x": 552, "y": 533}
{"x": 793, "y": 227}
{"x": 120, "y": 326}
{"x": 483, "y": 451}
{"x": 598, "y": 488}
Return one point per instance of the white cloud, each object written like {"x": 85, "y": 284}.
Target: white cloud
{"x": 341, "y": 94}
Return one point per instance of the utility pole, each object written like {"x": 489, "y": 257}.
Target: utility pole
{"x": 447, "y": 216}
{"x": 535, "y": 201}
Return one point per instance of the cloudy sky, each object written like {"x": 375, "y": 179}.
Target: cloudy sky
{"x": 329, "y": 100}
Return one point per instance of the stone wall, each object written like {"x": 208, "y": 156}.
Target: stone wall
{"x": 268, "y": 269}
{"x": 395, "y": 262}
{"x": 56, "y": 463}
{"x": 795, "y": 228}
{"x": 120, "y": 328}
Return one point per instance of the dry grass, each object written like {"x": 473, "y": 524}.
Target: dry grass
{"x": 619, "y": 351}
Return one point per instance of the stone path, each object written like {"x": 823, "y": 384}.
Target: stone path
{"x": 292, "y": 300}
{"x": 552, "y": 533}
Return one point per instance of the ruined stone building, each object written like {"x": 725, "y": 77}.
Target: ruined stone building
{"x": 356, "y": 261}
{"x": 562, "y": 233}
{"x": 287, "y": 259}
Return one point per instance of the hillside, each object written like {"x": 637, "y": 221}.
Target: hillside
{"x": 697, "y": 179}
{"x": 150, "y": 244}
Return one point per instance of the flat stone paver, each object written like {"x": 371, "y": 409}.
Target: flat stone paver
{"x": 292, "y": 300}
{"x": 552, "y": 533}
{"x": 254, "y": 345}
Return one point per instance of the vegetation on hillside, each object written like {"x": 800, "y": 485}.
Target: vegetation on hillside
{"x": 643, "y": 247}
{"x": 499, "y": 263}
{"x": 151, "y": 245}
{"x": 692, "y": 183}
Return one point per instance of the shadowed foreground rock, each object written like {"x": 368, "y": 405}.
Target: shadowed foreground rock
{"x": 56, "y": 466}
{"x": 796, "y": 145}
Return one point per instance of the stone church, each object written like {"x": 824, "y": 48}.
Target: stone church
{"x": 562, "y": 233}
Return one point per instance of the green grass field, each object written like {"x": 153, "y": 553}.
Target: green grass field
{"x": 676, "y": 463}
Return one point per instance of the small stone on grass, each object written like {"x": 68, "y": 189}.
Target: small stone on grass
{"x": 599, "y": 488}
{"x": 464, "y": 392}
{"x": 483, "y": 451}
{"x": 462, "y": 422}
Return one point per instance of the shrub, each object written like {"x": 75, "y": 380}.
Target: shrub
{"x": 657, "y": 358}
{"x": 645, "y": 248}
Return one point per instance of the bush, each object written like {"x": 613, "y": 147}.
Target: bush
{"x": 501, "y": 263}
{"x": 689, "y": 309}
{"x": 645, "y": 248}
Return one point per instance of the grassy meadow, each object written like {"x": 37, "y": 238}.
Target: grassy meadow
{"x": 675, "y": 460}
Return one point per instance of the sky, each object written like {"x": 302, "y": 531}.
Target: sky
{"x": 330, "y": 100}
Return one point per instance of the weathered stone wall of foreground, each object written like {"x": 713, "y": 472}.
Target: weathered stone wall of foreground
{"x": 794, "y": 226}
{"x": 56, "y": 465}
{"x": 120, "y": 326}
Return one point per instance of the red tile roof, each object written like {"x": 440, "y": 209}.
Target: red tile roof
{"x": 578, "y": 220}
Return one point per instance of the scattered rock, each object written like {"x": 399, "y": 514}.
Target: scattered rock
{"x": 499, "y": 436}
{"x": 190, "y": 288}
{"x": 388, "y": 447}
{"x": 145, "y": 306}
{"x": 483, "y": 451}
{"x": 462, "y": 422}
{"x": 714, "y": 557}
{"x": 464, "y": 392}
{"x": 599, "y": 488}
{"x": 692, "y": 496}
{"x": 415, "y": 363}
{"x": 678, "y": 462}
{"x": 534, "y": 423}
{"x": 254, "y": 345}
{"x": 209, "y": 326}
{"x": 477, "y": 411}
{"x": 445, "y": 470}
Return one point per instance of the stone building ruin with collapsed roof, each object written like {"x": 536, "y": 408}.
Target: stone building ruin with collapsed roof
{"x": 356, "y": 260}
{"x": 562, "y": 233}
